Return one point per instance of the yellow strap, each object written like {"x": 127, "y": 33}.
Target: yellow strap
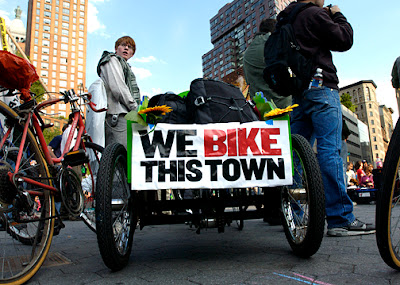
{"x": 4, "y": 34}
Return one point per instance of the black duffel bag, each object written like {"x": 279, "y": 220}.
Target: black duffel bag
{"x": 213, "y": 101}
{"x": 177, "y": 104}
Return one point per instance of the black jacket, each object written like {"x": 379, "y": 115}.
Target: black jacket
{"x": 318, "y": 33}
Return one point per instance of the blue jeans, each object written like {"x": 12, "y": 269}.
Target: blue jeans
{"x": 319, "y": 116}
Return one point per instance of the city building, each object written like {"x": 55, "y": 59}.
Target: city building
{"x": 56, "y": 45}
{"x": 232, "y": 30}
{"x": 18, "y": 31}
{"x": 385, "y": 114}
{"x": 368, "y": 110}
{"x": 353, "y": 141}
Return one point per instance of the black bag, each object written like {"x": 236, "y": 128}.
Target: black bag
{"x": 178, "y": 105}
{"x": 288, "y": 69}
{"x": 212, "y": 101}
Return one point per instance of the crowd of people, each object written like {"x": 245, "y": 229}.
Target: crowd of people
{"x": 361, "y": 174}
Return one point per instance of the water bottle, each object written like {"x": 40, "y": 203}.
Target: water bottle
{"x": 316, "y": 81}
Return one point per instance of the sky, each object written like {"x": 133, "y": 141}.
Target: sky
{"x": 172, "y": 35}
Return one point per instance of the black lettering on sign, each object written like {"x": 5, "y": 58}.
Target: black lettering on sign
{"x": 181, "y": 143}
{"x": 213, "y": 168}
{"x": 196, "y": 173}
{"x": 278, "y": 169}
{"x": 253, "y": 167}
{"x": 172, "y": 171}
{"x": 236, "y": 169}
{"x": 181, "y": 170}
{"x": 158, "y": 141}
{"x": 149, "y": 169}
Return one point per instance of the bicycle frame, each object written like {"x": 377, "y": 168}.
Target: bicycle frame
{"x": 34, "y": 117}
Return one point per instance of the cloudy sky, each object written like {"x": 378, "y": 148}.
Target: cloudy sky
{"x": 171, "y": 36}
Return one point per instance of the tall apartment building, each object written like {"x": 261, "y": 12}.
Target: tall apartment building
{"x": 56, "y": 45}
{"x": 368, "y": 110}
{"x": 231, "y": 32}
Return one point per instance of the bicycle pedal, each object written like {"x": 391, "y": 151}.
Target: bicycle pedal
{"x": 74, "y": 158}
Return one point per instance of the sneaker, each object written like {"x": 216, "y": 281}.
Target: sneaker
{"x": 356, "y": 228}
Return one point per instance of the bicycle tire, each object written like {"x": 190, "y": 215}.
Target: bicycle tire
{"x": 21, "y": 259}
{"x": 303, "y": 203}
{"x": 113, "y": 215}
{"x": 388, "y": 207}
{"x": 88, "y": 215}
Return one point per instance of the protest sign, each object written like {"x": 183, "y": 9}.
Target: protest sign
{"x": 212, "y": 156}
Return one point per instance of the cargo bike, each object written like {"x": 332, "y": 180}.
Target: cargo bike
{"x": 209, "y": 176}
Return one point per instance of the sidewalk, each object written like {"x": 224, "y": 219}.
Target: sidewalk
{"x": 175, "y": 254}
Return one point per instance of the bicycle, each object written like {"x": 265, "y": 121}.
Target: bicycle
{"x": 120, "y": 210}
{"x": 388, "y": 205}
{"x": 27, "y": 170}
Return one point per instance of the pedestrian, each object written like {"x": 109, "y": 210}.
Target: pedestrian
{"x": 368, "y": 179}
{"x": 320, "y": 30}
{"x": 253, "y": 65}
{"x": 54, "y": 146}
{"x": 123, "y": 93}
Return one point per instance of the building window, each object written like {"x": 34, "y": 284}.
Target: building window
{"x": 46, "y": 28}
{"x": 47, "y": 14}
{"x": 373, "y": 130}
{"x": 66, "y": 11}
{"x": 372, "y": 122}
{"x": 376, "y": 147}
{"x": 65, "y": 18}
{"x": 45, "y": 43}
{"x": 47, "y": 7}
{"x": 45, "y": 65}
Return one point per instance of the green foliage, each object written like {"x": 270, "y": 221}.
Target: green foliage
{"x": 50, "y": 133}
{"x": 345, "y": 99}
{"x": 38, "y": 89}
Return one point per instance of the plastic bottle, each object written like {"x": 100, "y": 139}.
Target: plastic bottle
{"x": 317, "y": 80}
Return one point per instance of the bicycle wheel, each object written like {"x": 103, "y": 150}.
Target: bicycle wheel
{"x": 388, "y": 205}
{"x": 28, "y": 231}
{"x": 88, "y": 215}
{"x": 303, "y": 203}
{"x": 113, "y": 215}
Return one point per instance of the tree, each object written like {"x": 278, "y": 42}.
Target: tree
{"x": 50, "y": 133}
{"x": 38, "y": 89}
{"x": 345, "y": 99}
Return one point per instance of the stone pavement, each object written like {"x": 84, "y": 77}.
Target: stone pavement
{"x": 175, "y": 254}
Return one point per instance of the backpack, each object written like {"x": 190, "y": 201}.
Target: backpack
{"x": 288, "y": 69}
{"x": 213, "y": 101}
{"x": 95, "y": 121}
{"x": 178, "y": 105}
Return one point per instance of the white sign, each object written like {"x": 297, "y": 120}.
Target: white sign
{"x": 212, "y": 156}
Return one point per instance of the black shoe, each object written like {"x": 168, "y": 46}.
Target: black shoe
{"x": 356, "y": 228}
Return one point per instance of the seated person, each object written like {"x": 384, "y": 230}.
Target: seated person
{"x": 350, "y": 175}
{"x": 368, "y": 179}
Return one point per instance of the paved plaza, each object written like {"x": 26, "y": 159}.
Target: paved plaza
{"x": 175, "y": 254}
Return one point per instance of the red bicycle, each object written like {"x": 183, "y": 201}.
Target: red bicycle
{"x": 29, "y": 173}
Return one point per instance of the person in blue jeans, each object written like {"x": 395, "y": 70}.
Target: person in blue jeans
{"x": 320, "y": 30}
